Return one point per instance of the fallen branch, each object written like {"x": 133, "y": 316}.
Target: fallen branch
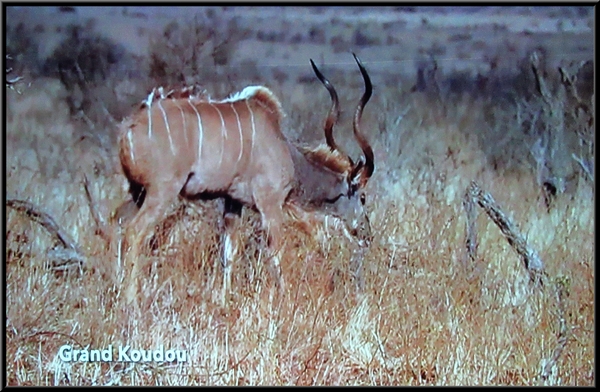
{"x": 530, "y": 257}
{"x": 67, "y": 253}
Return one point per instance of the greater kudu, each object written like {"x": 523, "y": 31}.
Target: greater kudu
{"x": 181, "y": 144}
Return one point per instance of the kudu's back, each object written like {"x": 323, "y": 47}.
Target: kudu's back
{"x": 230, "y": 146}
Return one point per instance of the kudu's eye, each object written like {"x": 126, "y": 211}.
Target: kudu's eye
{"x": 363, "y": 199}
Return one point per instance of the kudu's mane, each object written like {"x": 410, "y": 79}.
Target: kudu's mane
{"x": 260, "y": 94}
{"x": 323, "y": 156}
{"x": 188, "y": 92}
{"x": 263, "y": 97}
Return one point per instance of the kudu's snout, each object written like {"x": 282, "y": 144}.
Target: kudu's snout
{"x": 361, "y": 231}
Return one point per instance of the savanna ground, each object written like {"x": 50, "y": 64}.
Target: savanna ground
{"x": 508, "y": 104}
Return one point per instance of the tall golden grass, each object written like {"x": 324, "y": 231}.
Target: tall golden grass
{"x": 427, "y": 315}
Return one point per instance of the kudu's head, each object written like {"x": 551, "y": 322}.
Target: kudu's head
{"x": 346, "y": 198}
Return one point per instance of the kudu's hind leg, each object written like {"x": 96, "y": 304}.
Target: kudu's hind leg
{"x": 232, "y": 211}
{"x": 155, "y": 205}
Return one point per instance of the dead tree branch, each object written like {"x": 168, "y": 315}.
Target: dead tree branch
{"x": 549, "y": 160}
{"x": 84, "y": 85}
{"x": 540, "y": 81}
{"x": 67, "y": 253}
{"x": 530, "y": 257}
{"x": 569, "y": 80}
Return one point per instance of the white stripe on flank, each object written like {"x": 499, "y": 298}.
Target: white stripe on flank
{"x": 241, "y": 137}
{"x": 130, "y": 139}
{"x": 200, "y": 133}
{"x": 149, "y": 104}
{"x": 253, "y": 130}
{"x": 223, "y": 134}
{"x": 184, "y": 122}
{"x": 150, "y": 98}
{"x": 167, "y": 125}
{"x": 228, "y": 251}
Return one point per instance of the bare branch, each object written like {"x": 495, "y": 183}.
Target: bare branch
{"x": 83, "y": 82}
{"x": 43, "y": 219}
{"x": 569, "y": 80}
{"x": 587, "y": 167}
{"x": 530, "y": 257}
{"x": 541, "y": 85}
{"x": 538, "y": 152}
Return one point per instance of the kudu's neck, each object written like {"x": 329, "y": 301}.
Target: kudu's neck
{"x": 313, "y": 183}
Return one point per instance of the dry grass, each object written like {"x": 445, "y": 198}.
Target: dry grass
{"x": 426, "y": 316}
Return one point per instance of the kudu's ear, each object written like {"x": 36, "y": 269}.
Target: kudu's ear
{"x": 359, "y": 176}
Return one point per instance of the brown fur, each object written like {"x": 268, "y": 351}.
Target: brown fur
{"x": 333, "y": 160}
{"x": 265, "y": 98}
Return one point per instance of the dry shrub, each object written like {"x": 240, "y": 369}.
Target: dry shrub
{"x": 96, "y": 73}
{"x": 193, "y": 52}
{"x": 23, "y": 49}
{"x": 537, "y": 121}
{"x": 422, "y": 319}
{"x": 363, "y": 38}
{"x": 316, "y": 35}
{"x": 339, "y": 44}
{"x": 83, "y": 59}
